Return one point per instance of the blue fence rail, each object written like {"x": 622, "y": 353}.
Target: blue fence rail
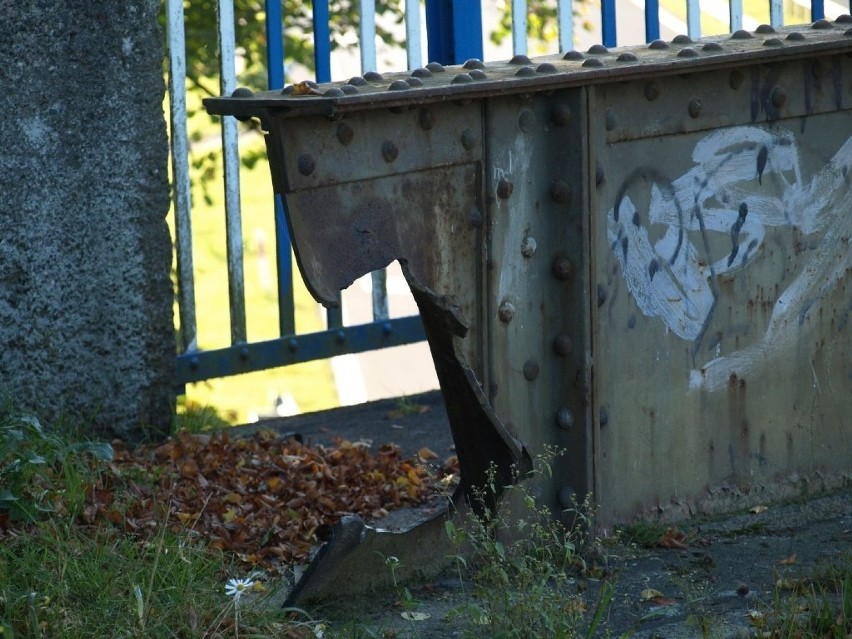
{"x": 454, "y": 34}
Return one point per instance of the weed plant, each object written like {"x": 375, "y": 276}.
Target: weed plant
{"x": 522, "y": 565}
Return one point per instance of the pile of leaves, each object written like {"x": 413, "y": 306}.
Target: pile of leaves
{"x": 267, "y": 500}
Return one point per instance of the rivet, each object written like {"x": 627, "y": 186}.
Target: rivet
{"x": 194, "y": 363}
{"x": 421, "y": 73}
{"x": 778, "y": 96}
{"x": 389, "y": 151}
{"x": 610, "y": 120}
{"x": 687, "y": 52}
{"x": 712, "y": 46}
{"x": 506, "y": 311}
{"x": 473, "y": 63}
{"x": 387, "y": 328}
{"x": 560, "y": 114}
{"x": 598, "y": 49}
{"x": 736, "y": 79}
{"x": 765, "y": 28}
{"x": 358, "y": 81}
{"x": 593, "y": 63}
{"x": 659, "y": 45}
{"x": 244, "y": 353}
{"x": 545, "y": 67}
{"x": 795, "y": 35}
{"x": 306, "y": 164}
{"x": 340, "y": 336}
{"x": 348, "y": 89}
{"x": 414, "y": 82}
{"x": 627, "y": 57}
{"x": 462, "y": 78}
{"x": 741, "y": 34}
{"x": 242, "y": 92}
{"x": 478, "y": 74}
{"x": 344, "y": 133}
{"x": 652, "y": 91}
{"x": 333, "y": 92}
{"x": 560, "y": 192}
{"x": 773, "y": 42}
{"x": 398, "y": 85}
{"x": 526, "y": 121}
{"x": 822, "y": 24}
{"x": 843, "y": 18}
{"x": 565, "y": 418}
{"x": 562, "y": 267}
{"x": 562, "y": 345}
{"x": 530, "y": 370}
{"x": 519, "y": 60}
{"x": 374, "y": 76}
{"x": 293, "y": 344}
{"x": 681, "y": 39}
{"x": 566, "y": 497}
{"x": 474, "y": 216}
{"x": 435, "y": 67}
{"x": 504, "y": 188}
{"x": 694, "y": 107}
{"x": 528, "y": 246}
{"x": 426, "y": 119}
{"x": 525, "y": 72}
{"x": 573, "y": 55}
{"x": 600, "y": 177}
{"x": 469, "y": 139}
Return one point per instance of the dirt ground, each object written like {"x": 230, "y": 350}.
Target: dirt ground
{"x": 722, "y": 577}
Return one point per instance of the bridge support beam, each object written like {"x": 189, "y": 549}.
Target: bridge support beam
{"x": 640, "y": 257}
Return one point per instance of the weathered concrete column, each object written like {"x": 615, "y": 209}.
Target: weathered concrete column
{"x": 85, "y": 297}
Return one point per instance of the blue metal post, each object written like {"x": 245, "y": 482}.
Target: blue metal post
{"x": 454, "y": 29}
{"x": 652, "y": 20}
{"x": 322, "y": 41}
{"x": 283, "y": 259}
{"x": 608, "y": 23}
{"x": 818, "y": 10}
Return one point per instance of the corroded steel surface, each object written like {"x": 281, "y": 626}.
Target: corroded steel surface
{"x": 640, "y": 256}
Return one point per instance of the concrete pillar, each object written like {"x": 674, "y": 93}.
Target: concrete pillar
{"x": 86, "y": 326}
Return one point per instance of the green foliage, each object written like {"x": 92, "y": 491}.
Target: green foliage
{"x": 40, "y": 471}
{"x": 541, "y": 20}
{"x": 521, "y": 566}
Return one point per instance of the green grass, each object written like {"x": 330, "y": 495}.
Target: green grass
{"x": 310, "y": 384}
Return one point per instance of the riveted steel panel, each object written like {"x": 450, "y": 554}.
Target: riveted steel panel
{"x": 538, "y": 314}
{"x": 722, "y": 343}
{"x": 639, "y": 255}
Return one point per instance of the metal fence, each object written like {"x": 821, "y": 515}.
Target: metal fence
{"x": 454, "y": 34}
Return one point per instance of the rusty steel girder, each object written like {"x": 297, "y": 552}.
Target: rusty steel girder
{"x": 640, "y": 256}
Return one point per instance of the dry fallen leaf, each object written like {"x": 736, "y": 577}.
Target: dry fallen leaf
{"x": 426, "y": 454}
{"x": 649, "y": 593}
{"x": 788, "y": 561}
{"x": 415, "y": 616}
{"x": 756, "y": 510}
{"x": 673, "y": 538}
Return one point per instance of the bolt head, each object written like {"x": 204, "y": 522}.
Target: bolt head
{"x": 528, "y": 246}
{"x": 565, "y": 418}
{"x": 694, "y": 107}
{"x": 531, "y": 370}
{"x": 562, "y": 267}
{"x": 344, "y": 133}
{"x": 306, "y": 164}
{"x": 504, "y": 188}
{"x": 562, "y": 345}
{"x": 778, "y": 96}
{"x": 389, "y": 151}
{"x": 560, "y": 192}
{"x": 506, "y": 311}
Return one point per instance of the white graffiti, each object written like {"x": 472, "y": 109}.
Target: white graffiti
{"x": 744, "y": 180}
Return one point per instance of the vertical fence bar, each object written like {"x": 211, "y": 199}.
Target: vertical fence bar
{"x": 231, "y": 163}
{"x": 565, "y": 22}
{"x": 693, "y": 18}
{"x": 367, "y": 35}
{"x": 467, "y": 40}
{"x": 380, "y": 295}
{"x": 817, "y": 10}
{"x": 776, "y": 13}
{"x": 736, "y": 14}
{"x": 519, "y": 27}
{"x": 608, "y": 27}
{"x": 180, "y": 173}
{"x": 283, "y": 259}
{"x": 322, "y": 41}
{"x": 413, "y": 30}
{"x": 652, "y": 20}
